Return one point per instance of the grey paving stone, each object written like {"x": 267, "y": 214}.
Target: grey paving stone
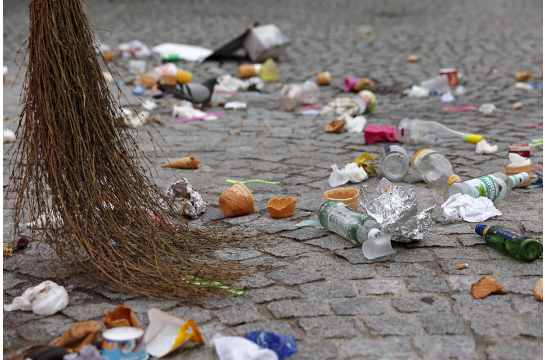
{"x": 474, "y": 267}
{"x": 295, "y": 276}
{"x": 509, "y": 267}
{"x": 405, "y": 270}
{"x": 463, "y": 283}
{"x": 143, "y": 305}
{"x": 446, "y": 347}
{"x": 220, "y": 302}
{"x": 288, "y": 249}
{"x": 432, "y": 240}
{"x": 212, "y": 328}
{"x": 11, "y": 280}
{"x": 532, "y": 325}
{"x": 253, "y": 281}
{"x": 490, "y": 324}
{"x": 239, "y": 314}
{"x": 16, "y": 318}
{"x": 329, "y": 327}
{"x": 519, "y": 285}
{"x": 379, "y": 287}
{"x": 355, "y": 256}
{"x": 466, "y": 303}
{"x": 314, "y": 259}
{"x": 114, "y": 295}
{"x": 45, "y": 330}
{"x": 357, "y": 306}
{"x": 427, "y": 284}
{"x": 87, "y": 312}
{"x": 278, "y": 327}
{"x": 454, "y": 229}
{"x": 303, "y": 308}
{"x": 237, "y": 254}
{"x": 471, "y": 239}
{"x": 305, "y": 234}
{"x": 533, "y": 227}
{"x": 328, "y": 290}
{"x": 413, "y": 256}
{"x": 322, "y": 350}
{"x": 391, "y": 325}
{"x": 273, "y": 293}
{"x": 515, "y": 349}
{"x": 355, "y": 272}
{"x": 268, "y": 261}
{"x": 186, "y": 313}
{"x": 529, "y": 305}
{"x": 331, "y": 243}
{"x": 442, "y": 324}
{"x": 470, "y": 254}
{"x": 420, "y": 304}
{"x": 389, "y": 347}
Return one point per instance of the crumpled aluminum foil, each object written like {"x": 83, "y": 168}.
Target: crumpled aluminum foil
{"x": 182, "y": 189}
{"x": 395, "y": 209}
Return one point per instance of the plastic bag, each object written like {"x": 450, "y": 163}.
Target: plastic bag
{"x": 44, "y": 299}
{"x": 239, "y": 348}
{"x": 283, "y": 345}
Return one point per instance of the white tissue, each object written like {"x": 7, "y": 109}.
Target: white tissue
{"x": 355, "y": 124}
{"x": 418, "y": 92}
{"x": 465, "y": 207}
{"x": 239, "y": 348}
{"x": 447, "y": 97}
{"x": 9, "y": 136}
{"x": 351, "y": 172}
{"x": 460, "y": 90}
{"x": 44, "y": 299}
{"x": 523, "y": 86}
{"x": 185, "y": 110}
{"x": 149, "y": 105}
{"x": 487, "y": 109}
{"x": 337, "y": 177}
{"x": 483, "y": 147}
{"x": 517, "y": 160}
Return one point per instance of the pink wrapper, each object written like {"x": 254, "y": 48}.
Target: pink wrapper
{"x": 349, "y": 83}
{"x": 375, "y": 134}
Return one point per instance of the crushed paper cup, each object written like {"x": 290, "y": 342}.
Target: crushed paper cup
{"x": 166, "y": 333}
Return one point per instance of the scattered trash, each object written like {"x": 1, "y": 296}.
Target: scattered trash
{"x": 366, "y": 30}
{"x": 281, "y": 207}
{"x": 252, "y": 180}
{"x": 416, "y": 132}
{"x": 237, "y": 348}
{"x": 213, "y": 283}
{"x": 462, "y": 266}
{"x": 139, "y": 90}
{"x": 452, "y": 75}
{"x": 208, "y": 117}
{"x": 487, "y": 109}
{"x": 123, "y": 343}
{"x": 459, "y": 206}
{"x": 149, "y": 105}
{"x": 518, "y": 165}
{"x": 365, "y": 101}
{"x": 9, "y": 136}
{"x": 351, "y": 84}
{"x": 511, "y": 242}
{"x": 485, "y": 287}
{"x": 418, "y": 92}
{"x": 235, "y": 105}
{"x": 465, "y": 108}
{"x": 177, "y": 52}
{"x": 349, "y": 196}
{"x": 373, "y": 134}
{"x": 22, "y": 243}
{"x": 119, "y": 317}
{"x": 8, "y": 251}
{"x": 365, "y": 160}
{"x": 193, "y": 204}
{"x": 447, "y": 97}
{"x": 483, "y": 147}
{"x": 439, "y": 83}
{"x": 460, "y": 90}
{"x": 165, "y": 333}
{"x": 237, "y": 200}
{"x": 185, "y": 109}
{"x": 296, "y": 94}
{"x": 355, "y": 124}
{"x": 335, "y": 126}
{"x": 5, "y": 117}
{"x": 395, "y": 162}
{"x": 227, "y": 83}
{"x": 135, "y": 49}
{"x": 46, "y": 298}
{"x": 521, "y": 149}
{"x": 495, "y": 186}
{"x": 522, "y": 76}
{"x": 79, "y": 335}
{"x": 108, "y": 55}
{"x": 412, "y": 58}
{"x": 188, "y": 162}
{"x": 538, "y": 290}
{"x": 523, "y": 86}
{"x": 108, "y": 77}
{"x": 517, "y": 106}
{"x": 434, "y": 168}
{"x": 135, "y": 120}
{"x": 351, "y": 172}
{"x": 88, "y": 352}
{"x": 324, "y": 78}
{"x": 137, "y": 66}
{"x": 283, "y": 345}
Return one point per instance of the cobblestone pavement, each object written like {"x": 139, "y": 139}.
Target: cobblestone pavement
{"x": 321, "y": 289}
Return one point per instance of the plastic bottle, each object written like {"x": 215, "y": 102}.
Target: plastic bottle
{"x": 510, "y": 242}
{"x": 439, "y": 83}
{"x": 394, "y": 163}
{"x": 416, "y": 132}
{"x": 293, "y": 95}
{"x": 435, "y": 169}
{"x": 495, "y": 186}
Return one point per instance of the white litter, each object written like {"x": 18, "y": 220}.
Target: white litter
{"x": 461, "y": 206}
{"x": 418, "y": 92}
{"x": 149, "y": 105}
{"x": 517, "y": 160}
{"x": 185, "y": 110}
{"x": 136, "y": 49}
{"x": 355, "y": 124}
{"x": 351, "y": 172}
{"x": 523, "y": 86}
{"x": 239, "y": 348}
{"x": 183, "y": 52}
{"x": 9, "y": 136}
{"x": 447, "y": 97}
{"x": 345, "y": 106}
{"x": 44, "y": 299}
{"x": 487, "y": 109}
{"x": 460, "y": 90}
{"x": 235, "y": 105}
{"x": 483, "y": 147}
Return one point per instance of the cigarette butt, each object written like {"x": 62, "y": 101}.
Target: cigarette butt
{"x": 412, "y": 58}
{"x": 461, "y": 266}
{"x": 6, "y": 117}
{"x": 517, "y": 106}
{"x": 54, "y": 276}
{"x": 386, "y": 266}
{"x": 237, "y": 132}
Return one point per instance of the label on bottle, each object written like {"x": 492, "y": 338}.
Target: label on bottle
{"x": 518, "y": 179}
{"x": 486, "y": 186}
{"x": 396, "y": 148}
{"x": 420, "y": 155}
{"x": 508, "y": 234}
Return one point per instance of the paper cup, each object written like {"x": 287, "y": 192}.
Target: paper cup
{"x": 349, "y": 196}
{"x": 123, "y": 343}
{"x": 137, "y": 66}
{"x": 452, "y": 74}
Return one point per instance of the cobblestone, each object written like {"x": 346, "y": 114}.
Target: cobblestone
{"x": 494, "y": 324}
{"x": 273, "y": 293}
{"x": 420, "y": 304}
{"x": 239, "y": 314}
{"x": 304, "y": 308}
{"x": 446, "y": 347}
{"x": 427, "y": 284}
{"x": 393, "y": 347}
{"x": 294, "y": 276}
{"x": 329, "y": 290}
{"x": 357, "y": 306}
{"x": 466, "y": 303}
{"x": 326, "y": 327}
{"x": 379, "y": 287}
{"x": 390, "y": 325}
{"x": 439, "y": 324}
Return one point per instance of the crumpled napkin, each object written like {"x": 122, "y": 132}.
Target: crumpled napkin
{"x": 447, "y": 97}
{"x": 461, "y": 206}
{"x": 46, "y": 298}
{"x": 185, "y": 110}
{"x": 228, "y": 83}
{"x": 351, "y": 172}
{"x": 345, "y": 106}
{"x": 239, "y": 348}
{"x": 418, "y": 92}
{"x": 355, "y": 124}
{"x": 483, "y": 147}
{"x": 517, "y": 160}
{"x": 487, "y": 109}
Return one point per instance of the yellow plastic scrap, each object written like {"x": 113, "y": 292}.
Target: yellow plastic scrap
{"x": 365, "y": 162}
{"x": 7, "y": 250}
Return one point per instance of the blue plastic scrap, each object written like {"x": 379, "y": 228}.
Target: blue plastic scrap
{"x": 139, "y": 90}
{"x": 282, "y": 345}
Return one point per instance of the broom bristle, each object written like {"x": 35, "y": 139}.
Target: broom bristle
{"x": 75, "y": 159}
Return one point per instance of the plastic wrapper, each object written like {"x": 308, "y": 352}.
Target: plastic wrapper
{"x": 396, "y": 210}
{"x": 46, "y": 298}
{"x": 182, "y": 189}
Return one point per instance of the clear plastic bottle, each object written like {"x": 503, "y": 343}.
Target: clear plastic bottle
{"x": 293, "y": 95}
{"x": 416, "y": 132}
{"x": 435, "y": 169}
{"x": 495, "y": 186}
{"x": 394, "y": 163}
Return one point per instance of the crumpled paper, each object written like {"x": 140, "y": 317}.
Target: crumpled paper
{"x": 135, "y": 120}
{"x": 135, "y": 48}
{"x": 228, "y": 83}
{"x": 185, "y": 110}
{"x": 483, "y": 147}
{"x": 235, "y": 105}
{"x": 447, "y": 97}
{"x": 459, "y": 206}
{"x": 345, "y": 106}
{"x": 182, "y": 189}
{"x": 395, "y": 209}
{"x": 487, "y": 109}
{"x": 9, "y": 136}
{"x": 45, "y": 299}
{"x": 355, "y": 124}
{"x": 517, "y": 160}
{"x": 351, "y": 172}
{"x": 239, "y": 348}
{"x": 419, "y": 92}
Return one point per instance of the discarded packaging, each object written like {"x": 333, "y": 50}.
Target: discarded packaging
{"x": 79, "y": 335}
{"x": 46, "y": 298}
{"x": 237, "y": 200}
{"x": 324, "y": 78}
{"x": 238, "y": 348}
{"x": 108, "y": 77}
{"x": 460, "y": 90}
{"x": 538, "y": 290}
{"x": 349, "y": 196}
{"x": 137, "y": 66}
{"x": 123, "y": 343}
{"x": 485, "y": 287}
{"x": 459, "y": 206}
{"x": 439, "y": 84}
{"x": 9, "y": 136}
{"x": 120, "y": 316}
{"x": 8, "y": 251}
{"x": 176, "y": 52}
{"x": 416, "y": 132}
{"x": 487, "y": 109}
{"x": 418, "y": 92}
{"x": 296, "y": 94}
{"x": 351, "y": 172}
{"x": 355, "y": 124}
{"x": 517, "y": 106}
{"x": 435, "y": 169}
{"x": 246, "y": 71}
{"x": 335, "y": 126}
{"x": 495, "y": 186}
{"x": 168, "y": 79}
{"x": 88, "y": 352}
{"x": 235, "y": 105}
{"x": 365, "y": 101}
{"x": 511, "y": 242}
{"x": 373, "y": 134}
{"x": 188, "y": 162}
{"x": 194, "y": 205}
{"x": 351, "y": 84}
{"x": 483, "y": 147}
{"x": 522, "y": 76}
{"x": 184, "y": 109}
{"x": 283, "y": 345}
{"x": 447, "y": 97}
{"x": 165, "y": 333}
{"x": 518, "y": 165}
{"x": 135, "y": 49}
{"x": 108, "y": 55}
{"x": 394, "y": 163}
{"x": 452, "y": 75}
{"x": 281, "y": 207}
{"x": 266, "y": 41}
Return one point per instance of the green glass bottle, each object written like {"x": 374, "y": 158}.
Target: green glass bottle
{"x": 511, "y": 242}
{"x": 336, "y": 216}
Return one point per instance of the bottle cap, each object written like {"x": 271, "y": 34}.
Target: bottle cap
{"x": 480, "y": 229}
{"x": 472, "y": 138}
{"x": 183, "y": 77}
{"x": 451, "y": 180}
